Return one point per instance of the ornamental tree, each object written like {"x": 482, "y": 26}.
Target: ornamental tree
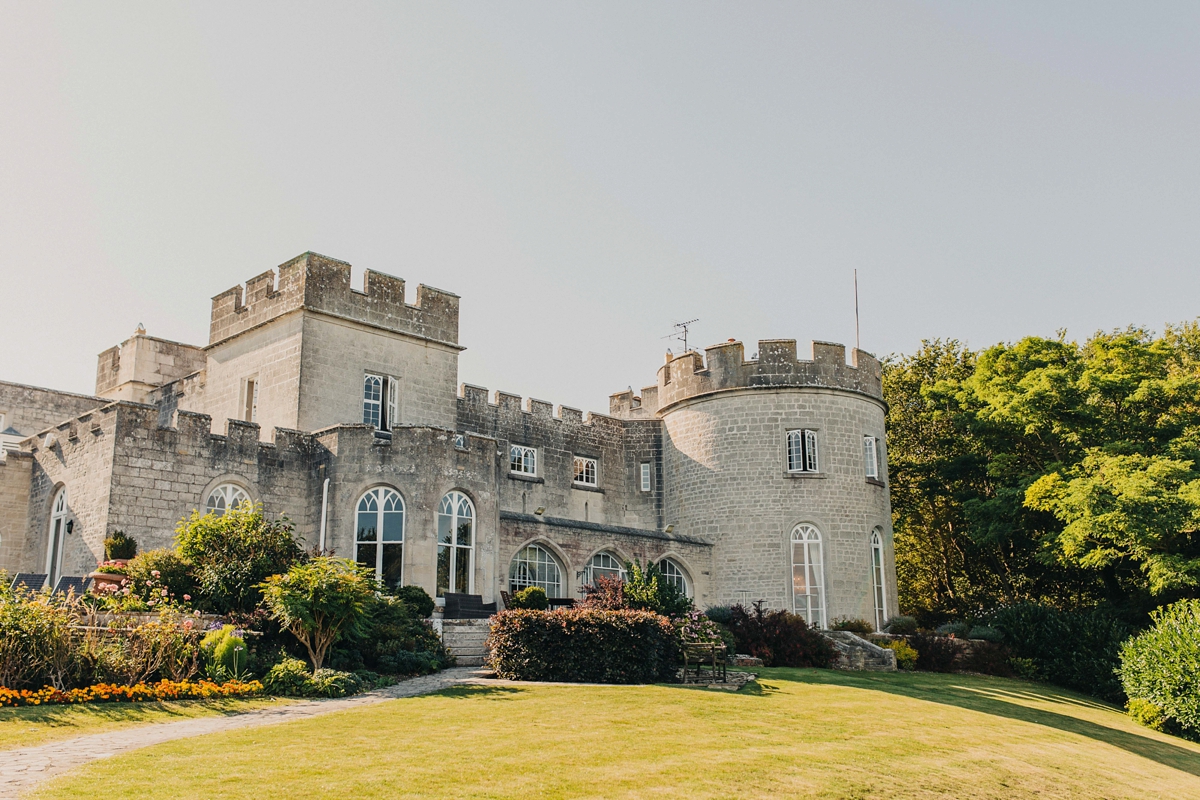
{"x": 318, "y": 601}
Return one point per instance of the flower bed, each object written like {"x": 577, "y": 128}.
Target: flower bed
{"x": 138, "y": 693}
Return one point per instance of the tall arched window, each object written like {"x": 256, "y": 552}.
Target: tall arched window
{"x": 808, "y": 580}
{"x": 603, "y": 565}
{"x": 59, "y": 511}
{"x": 225, "y": 497}
{"x": 877, "y": 585}
{"x": 535, "y": 566}
{"x": 456, "y": 545}
{"x": 379, "y": 536}
{"x": 675, "y": 575}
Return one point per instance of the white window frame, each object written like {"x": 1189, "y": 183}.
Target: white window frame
{"x": 460, "y": 441}
{"x": 674, "y": 573}
{"x": 381, "y": 407}
{"x": 605, "y": 563}
{"x": 802, "y": 451}
{"x": 250, "y": 399}
{"x": 522, "y": 460}
{"x": 228, "y": 496}
{"x": 808, "y": 585}
{"x": 589, "y": 468}
{"x": 878, "y": 580}
{"x": 647, "y": 482}
{"x": 60, "y": 514}
{"x": 871, "y": 457}
{"x": 455, "y": 509}
{"x": 378, "y": 503}
{"x": 531, "y": 565}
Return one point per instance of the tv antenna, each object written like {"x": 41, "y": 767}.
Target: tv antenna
{"x": 681, "y": 332}
{"x": 857, "y": 342}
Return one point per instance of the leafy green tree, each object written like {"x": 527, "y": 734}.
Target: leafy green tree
{"x": 232, "y": 553}
{"x": 318, "y": 601}
{"x": 646, "y": 589}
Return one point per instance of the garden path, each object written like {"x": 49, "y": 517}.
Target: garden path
{"x": 23, "y": 768}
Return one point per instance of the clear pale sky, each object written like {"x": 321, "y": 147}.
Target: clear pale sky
{"x": 586, "y": 174}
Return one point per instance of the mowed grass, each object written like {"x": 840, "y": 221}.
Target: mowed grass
{"x": 800, "y": 733}
{"x": 34, "y": 725}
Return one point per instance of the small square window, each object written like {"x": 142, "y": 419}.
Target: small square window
{"x": 460, "y": 441}
{"x": 802, "y": 451}
{"x": 522, "y": 460}
{"x": 646, "y": 486}
{"x": 585, "y": 471}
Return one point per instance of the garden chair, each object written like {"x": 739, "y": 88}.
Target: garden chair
{"x": 29, "y": 580}
{"x": 69, "y": 584}
{"x": 697, "y": 656}
{"x": 507, "y": 598}
{"x": 566, "y": 602}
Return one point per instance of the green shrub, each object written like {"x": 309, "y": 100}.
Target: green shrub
{"x": 233, "y": 553}
{"x": 583, "y": 645}
{"x": 1146, "y": 713}
{"x": 332, "y": 683}
{"x": 1078, "y": 650}
{"x": 38, "y": 645}
{"x": 646, "y": 589}
{"x": 135, "y": 652}
{"x": 320, "y": 600}
{"x": 417, "y": 599}
{"x": 959, "y": 630}
{"x": 722, "y": 615}
{"x": 225, "y": 654}
{"x": 986, "y": 633}
{"x": 161, "y": 569}
{"x": 1161, "y": 666}
{"x": 118, "y": 545}
{"x": 935, "y": 653}
{"x": 852, "y": 625}
{"x": 906, "y": 656}
{"x": 392, "y": 639}
{"x": 987, "y": 658}
{"x": 901, "y": 625}
{"x": 779, "y": 638}
{"x": 531, "y": 598}
{"x": 288, "y": 678}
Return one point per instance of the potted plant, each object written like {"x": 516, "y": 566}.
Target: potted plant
{"x": 118, "y": 550}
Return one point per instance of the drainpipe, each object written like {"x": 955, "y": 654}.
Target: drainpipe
{"x": 324, "y": 510}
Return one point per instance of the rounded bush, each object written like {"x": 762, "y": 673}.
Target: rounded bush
{"x": 901, "y": 625}
{"x": 906, "y": 656}
{"x": 1161, "y": 666}
{"x": 959, "y": 630}
{"x": 225, "y": 654}
{"x": 532, "y": 598}
{"x": 332, "y": 683}
{"x": 986, "y": 633}
{"x": 417, "y": 599}
{"x": 289, "y": 677}
{"x": 852, "y": 625}
{"x": 118, "y": 545}
{"x": 164, "y": 568}
{"x": 722, "y": 615}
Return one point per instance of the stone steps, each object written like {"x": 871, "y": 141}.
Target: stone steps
{"x": 465, "y": 639}
{"x": 856, "y": 653}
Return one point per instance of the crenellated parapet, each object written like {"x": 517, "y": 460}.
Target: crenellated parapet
{"x": 477, "y": 413}
{"x": 318, "y": 283}
{"x": 724, "y": 367}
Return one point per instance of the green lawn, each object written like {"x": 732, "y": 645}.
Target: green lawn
{"x": 34, "y": 725}
{"x": 799, "y": 733}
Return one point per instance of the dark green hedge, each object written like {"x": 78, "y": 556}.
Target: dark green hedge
{"x": 583, "y": 645}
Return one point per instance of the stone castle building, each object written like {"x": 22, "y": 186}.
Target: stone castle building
{"x": 743, "y": 479}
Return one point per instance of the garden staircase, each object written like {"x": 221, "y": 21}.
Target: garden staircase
{"x": 855, "y": 652}
{"x": 464, "y": 638}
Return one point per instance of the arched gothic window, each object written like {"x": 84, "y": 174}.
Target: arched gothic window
{"x": 603, "y": 565}
{"x": 675, "y": 575}
{"x": 225, "y": 497}
{"x": 456, "y": 545}
{"x": 878, "y": 591}
{"x": 535, "y": 566}
{"x": 808, "y": 579}
{"x": 379, "y": 534}
{"x": 59, "y": 512}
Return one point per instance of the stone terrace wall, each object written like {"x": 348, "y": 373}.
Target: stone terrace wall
{"x": 619, "y": 448}
{"x": 319, "y": 283}
{"x": 15, "y": 472}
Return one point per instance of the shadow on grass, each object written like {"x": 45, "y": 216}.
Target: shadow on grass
{"x": 73, "y": 714}
{"x": 469, "y": 692}
{"x": 1002, "y": 699}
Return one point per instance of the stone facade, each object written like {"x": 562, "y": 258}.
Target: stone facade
{"x": 694, "y": 469}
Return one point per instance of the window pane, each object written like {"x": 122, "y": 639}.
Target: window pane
{"x": 464, "y": 533}
{"x": 393, "y": 560}
{"x": 445, "y": 521}
{"x": 393, "y": 526}
{"x": 443, "y": 570}
{"x": 367, "y": 526}
{"x": 462, "y": 569}
{"x": 365, "y": 556}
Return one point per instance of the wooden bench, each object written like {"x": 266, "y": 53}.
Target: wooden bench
{"x": 704, "y": 657}
{"x": 467, "y": 606}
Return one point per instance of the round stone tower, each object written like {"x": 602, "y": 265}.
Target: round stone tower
{"x": 781, "y": 464}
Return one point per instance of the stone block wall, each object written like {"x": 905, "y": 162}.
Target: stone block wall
{"x": 271, "y": 355}
{"x": 16, "y": 469}
{"x": 30, "y": 410}
{"x": 134, "y": 368}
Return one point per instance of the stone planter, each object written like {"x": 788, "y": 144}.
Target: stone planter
{"x": 100, "y": 580}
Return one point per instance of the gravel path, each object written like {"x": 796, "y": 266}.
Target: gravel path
{"x": 21, "y": 769}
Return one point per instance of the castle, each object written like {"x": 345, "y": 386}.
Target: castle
{"x": 744, "y": 480}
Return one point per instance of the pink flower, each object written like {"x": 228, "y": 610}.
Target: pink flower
{"x": 149, "y": 583}
{"x": 187, "y": 624}
{"x": 187, "y": 597}
{"x": 155, "y": 573}
{"x": 195, "y": 613}
{"x": 164, "y": 592}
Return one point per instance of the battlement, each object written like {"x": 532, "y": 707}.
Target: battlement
{"x": 318, "y": 283}
{"x": 473, "y": 404}
{"x": 724, "y": 367}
